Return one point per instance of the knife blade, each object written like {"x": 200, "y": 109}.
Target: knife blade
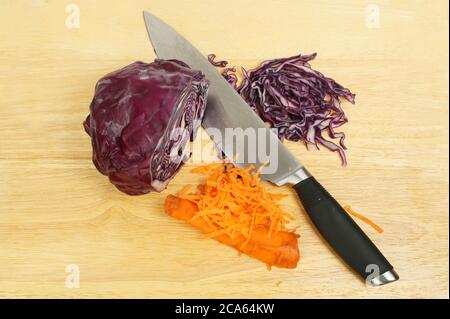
{"x": 224, "y": 106}
{"x": 246, "y": 140}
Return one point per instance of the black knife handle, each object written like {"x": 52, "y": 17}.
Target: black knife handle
{"x": 340, "y": 230}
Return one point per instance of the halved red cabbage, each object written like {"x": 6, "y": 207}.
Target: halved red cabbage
{"x": 141, "y": 120}
{"x": 300, "y": 102}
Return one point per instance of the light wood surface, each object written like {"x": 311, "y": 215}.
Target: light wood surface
{"x": 57, "y": 210}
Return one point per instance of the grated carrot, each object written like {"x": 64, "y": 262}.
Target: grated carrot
{"x": 233, "y": 207}
{"x": 238, "y": 194}
{"x": 349, "y": 210}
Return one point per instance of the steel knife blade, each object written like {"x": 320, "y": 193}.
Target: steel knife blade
{"x": 227, "y": 110}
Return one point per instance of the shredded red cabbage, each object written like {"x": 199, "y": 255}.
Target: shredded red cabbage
{"x": 219, "y": 64}
{"x": 294, "y": 98}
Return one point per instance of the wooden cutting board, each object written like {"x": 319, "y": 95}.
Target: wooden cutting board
{"x": 61, "y": 220}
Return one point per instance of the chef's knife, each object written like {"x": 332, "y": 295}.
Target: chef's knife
{"x": 227, "y": 113}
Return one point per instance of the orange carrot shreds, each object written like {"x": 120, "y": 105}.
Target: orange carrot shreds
{"x": 349, "y": 210}
{"x": 232, "y": 190}
{"x": 232, "y": 206}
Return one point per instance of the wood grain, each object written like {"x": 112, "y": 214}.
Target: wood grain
{"x": 56, "y": 209}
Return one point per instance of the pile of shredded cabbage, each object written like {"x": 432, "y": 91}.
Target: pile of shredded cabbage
{"x": 300, "y": 102}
